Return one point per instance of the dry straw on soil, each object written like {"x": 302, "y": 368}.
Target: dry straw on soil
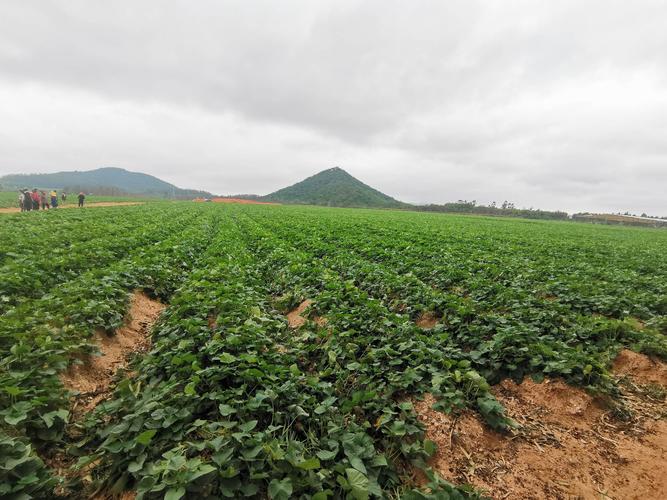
{"x": 568, "y": 445}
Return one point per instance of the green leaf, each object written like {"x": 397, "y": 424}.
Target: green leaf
{"x": 18, "y": 412}
{"x": 12, "y": 390}
{"x": 248, "y": 426}
{"x": 326, "y": 454}
{"x": 379, "y": 461}
{"x": 226, "y": 358}
{"x": 294, "y": 370}
{"x": 174, "y": 493}
{"x": 358, "y": 483}
{"x": 222, "y": 456}
{"x": 251, "y": 453}
{"x": 137, "y": 464}
{"x": 280, "y": 490}
{"x": 145, "y": 437}
{"x": 226, "y": 410}
{"x": 309, "y": 464}
{"x": 397, "y": 428}
{"x": 430, "y": 447}
{"x": 250, "y": 489}
{"x": 358, "y": 464}
{"x": 202, "y": 471}
{"x": 48, "y": 419}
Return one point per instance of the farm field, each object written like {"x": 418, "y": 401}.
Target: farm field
{"x": 8, "y": 199}
{"x": 281, "y": 351}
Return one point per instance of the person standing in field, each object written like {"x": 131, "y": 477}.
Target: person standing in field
{"x": 63, "y": 197}
{"x": 26, "y": 202}
{"x": 21, "y": 205}
{"x": 81, "y": 198}
{"x": 35, "y": 199}
{"x": 43, "y": 200}
{"x": 54, "y": 198}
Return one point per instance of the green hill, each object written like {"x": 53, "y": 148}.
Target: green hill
{"x": 113, "y": 181}
{"x": 334, "y": 188}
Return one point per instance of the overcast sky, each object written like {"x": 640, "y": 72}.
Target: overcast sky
{"x": 550, "y": 104}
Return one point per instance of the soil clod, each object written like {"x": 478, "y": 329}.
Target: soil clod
{"x": 427, "y": 320}
{"x": 295, "y": 318}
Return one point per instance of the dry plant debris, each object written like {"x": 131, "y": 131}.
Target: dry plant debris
{"x": 568, "y": 445}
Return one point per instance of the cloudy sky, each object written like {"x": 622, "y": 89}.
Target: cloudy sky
{"x": 550, "y": 104}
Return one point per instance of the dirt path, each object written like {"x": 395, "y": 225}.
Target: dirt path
{"x": 92, "y": 379}
{"x": 13, "y": 210}
{"x": 569, "y": 445}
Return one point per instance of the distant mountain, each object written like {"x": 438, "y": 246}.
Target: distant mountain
{"x": 102, "y": 181}
{"x": 334, "y": 188}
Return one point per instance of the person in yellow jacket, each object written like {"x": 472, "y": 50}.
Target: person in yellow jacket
{"x": 54, "y": 199}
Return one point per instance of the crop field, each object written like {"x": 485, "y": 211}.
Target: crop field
{"x": 9, "y": 199}
{"x": 292, "y": 350}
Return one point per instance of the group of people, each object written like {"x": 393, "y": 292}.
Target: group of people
{"x": 34, "y": 200}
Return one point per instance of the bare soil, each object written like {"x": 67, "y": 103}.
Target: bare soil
{"x": 640, "y": 368}
{"x": 427, "y": 320}
{"x": 12, "y": 210}
{"x": 92, "y": 378}
{"x": 568, "y": 446}
{"x": 295, "y": 318}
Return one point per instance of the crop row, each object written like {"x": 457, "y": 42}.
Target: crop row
{"x": 506, "y": 329}
{"x": 278, "y": 413}
{"x": 231, "y": 401}
{"x": 58, "y": 256}
{"x": 40, "y": 337}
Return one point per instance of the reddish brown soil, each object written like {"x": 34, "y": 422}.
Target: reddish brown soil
{"x": 568, "y": 445}
{"x": 12, "y": 210}
{"x": 640, "y": 368}
{"x": 92, "y": 379}
{"x": 294, "y": 318}
{"x": 427, "y": 320}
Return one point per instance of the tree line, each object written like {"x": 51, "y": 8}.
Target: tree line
{"x": 505, "y": 209}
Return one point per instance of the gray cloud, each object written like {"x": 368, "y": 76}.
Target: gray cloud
{"x": 552, "y": 105}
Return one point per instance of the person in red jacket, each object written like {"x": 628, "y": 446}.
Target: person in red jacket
{"x": 35, "y": 199}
